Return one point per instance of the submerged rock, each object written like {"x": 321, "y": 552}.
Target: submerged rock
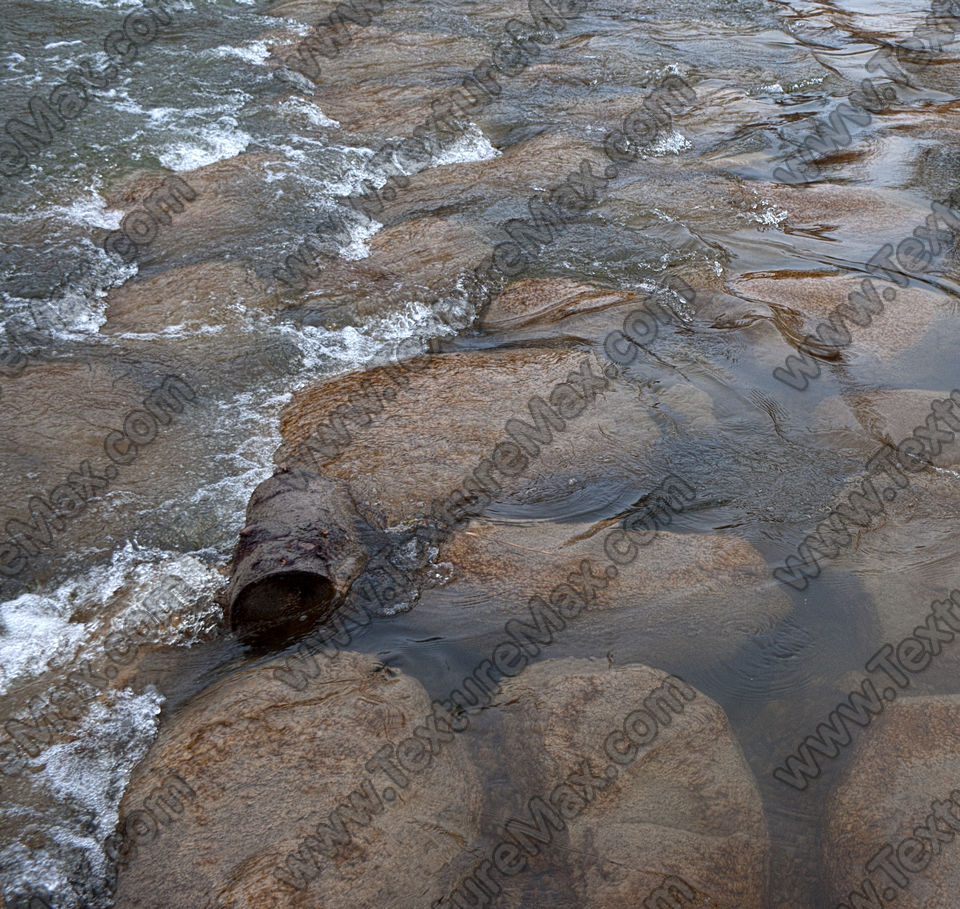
{"x": 685, "y": 600}
{"x": 212, "y": 315}
{"x": 77, "y": 440}
{"x": 232, "y": 191}
{"x": 904, "y": 765}
{"x": 801, "y": 305}
{"x": 865, "y": 421}
{"x": 523, "y": 461}
{"x": 206, "y": 294}
{"x": 649, "y": 787}
{"x": 905, "y": 559}
{"x": 422, "y": 260}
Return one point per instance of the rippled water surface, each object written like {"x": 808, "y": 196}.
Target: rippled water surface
{"x": 269, "y": 153}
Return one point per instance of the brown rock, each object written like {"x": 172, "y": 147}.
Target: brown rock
{"x": 519, "y": 173}
{"x": 421, "y": 260}
{"x": 441, "y": 416}
{"x": 682, "y": 596}
{"x": 848, "y": 211}
{"x": 534, "y": 307}
{"x": 381, "y": 82}
{"x": 664, "y": 189}
{"x": 56, "y": 417}
{"x": 210, "y": 314}
{"x": 207, "y": 294}
{"x": 545, "y": 310}
{"x": 374, "y": 56}
{"x": 266, "y": 764}
{"x": 906, "y": 760}
{"x": 685, "y": 807}
{"x": 801, "y": 303}
{"x": 233, "y": 191}
{"x": 864, "y": 421}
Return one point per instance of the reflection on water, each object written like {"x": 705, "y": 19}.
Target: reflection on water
{"x": 771, "y": 259}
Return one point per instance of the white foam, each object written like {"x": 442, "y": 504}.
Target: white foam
{"x": 120, "y": 100}
{"x": 68, "y": 861}
{"x": 332, "y": 351}
{"x": 87, "y": 773}
{"x": 309, "y": 110}
{"x": 255, "y": 52}
{"x": 206, "y": 145}
{"x": 473, "y": 145}
{"x": 359, "y": 174}
{"x": 252, "y": 421}
{"x": 769, "y": 215}
{"x": 34, "y": 627}
{"x": 183, "y": 330}
{"x": 82, "y": 772}
{"x": 80, "y": 309}
{"x": 360, "y": 233}
{"x": 39, "y": 634}
{"x": 295, "y": 26}
{"x": 88, "y": 209}
{"x": 672, "y": 143}
{"x": 119, "y": 4}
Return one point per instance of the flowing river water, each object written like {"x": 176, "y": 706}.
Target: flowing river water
{"x": 773, "y": 233}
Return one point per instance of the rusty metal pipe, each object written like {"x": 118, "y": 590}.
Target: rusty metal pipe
{"x": 298, "y": 554}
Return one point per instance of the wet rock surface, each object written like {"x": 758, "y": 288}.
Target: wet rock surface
{"x": 244, "y": 751}
{"x": 62, "y": 422}
{"x": 414, "y": 433}
{"x": 389, "y": 458}
{"x": 685, "y": 811}
{"x": 902, "y": 778}
{"x": 679, "y": 589}
{"x": 864, "y": 421}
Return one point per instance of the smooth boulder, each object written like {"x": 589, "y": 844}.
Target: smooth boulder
{"x": 261, "y": 765}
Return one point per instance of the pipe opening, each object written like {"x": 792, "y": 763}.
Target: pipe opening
{"x": 282, "y": 602}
